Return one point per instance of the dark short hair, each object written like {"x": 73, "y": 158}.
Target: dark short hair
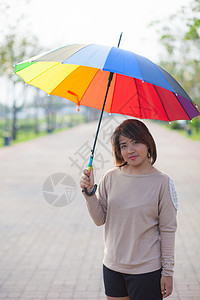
{"x": 135, "y": 130}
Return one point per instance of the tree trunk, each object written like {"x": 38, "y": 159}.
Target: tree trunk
{"x": 14, "y": 121}
{"x": 36, "y": 125}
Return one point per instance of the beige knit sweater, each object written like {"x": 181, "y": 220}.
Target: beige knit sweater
{"x": 139, "y": 213}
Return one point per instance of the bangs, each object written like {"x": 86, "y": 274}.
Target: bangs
{"x": 132, "y": 132}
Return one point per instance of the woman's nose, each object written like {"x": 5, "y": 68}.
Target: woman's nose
{"x": 131, "y": 148}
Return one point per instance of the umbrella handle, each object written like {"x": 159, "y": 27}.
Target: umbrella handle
{"x": 93, "y": 191}
{"x": 89, "y": 169}
{"x": 90, "y": 163}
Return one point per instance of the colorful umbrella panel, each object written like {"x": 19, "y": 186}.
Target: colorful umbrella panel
{"x": 139, "y": 88}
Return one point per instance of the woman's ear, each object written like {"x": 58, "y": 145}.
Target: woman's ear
{"x": 149, "y": 153}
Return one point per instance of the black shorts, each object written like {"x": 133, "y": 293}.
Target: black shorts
{"x": 137, "y": 287}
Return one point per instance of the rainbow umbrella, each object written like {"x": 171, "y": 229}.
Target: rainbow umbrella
{"x": 111, "y": 79}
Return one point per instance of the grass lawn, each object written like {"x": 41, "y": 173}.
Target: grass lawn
{"x": 24, "y": 137}
{"x": 26, "y": 129}
{"x": 194, "y": 136}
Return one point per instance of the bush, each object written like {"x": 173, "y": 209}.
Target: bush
{"x": 178, "y": 124}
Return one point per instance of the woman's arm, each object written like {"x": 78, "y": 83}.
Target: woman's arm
{"x": 167, "y": 227}
{"x": 97, "y": 204}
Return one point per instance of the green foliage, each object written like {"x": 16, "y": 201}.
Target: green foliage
{"x": 193, "y": 34}
{"x": 180, "y": 37}
{"x": 17, "y": 43}
{"x": 13, "y": 50}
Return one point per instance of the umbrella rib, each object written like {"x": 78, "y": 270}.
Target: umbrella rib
{"x": 114, "y": 86}
{"x": 138, "y": 99}
{"x": 161, "y": 102}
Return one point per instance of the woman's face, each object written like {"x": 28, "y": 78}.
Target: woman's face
{"x": 133, "y": 152}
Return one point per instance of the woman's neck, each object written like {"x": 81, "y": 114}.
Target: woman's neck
{"x": 143, "y": 170}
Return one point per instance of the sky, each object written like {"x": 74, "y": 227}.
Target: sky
{"x": 64, "y": 22}
{"x": 61, "y": 22}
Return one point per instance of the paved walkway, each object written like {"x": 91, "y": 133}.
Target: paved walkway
{"x": 51, "y": 252}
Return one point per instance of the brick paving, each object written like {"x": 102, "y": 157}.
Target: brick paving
{"x": 50, "y": 252}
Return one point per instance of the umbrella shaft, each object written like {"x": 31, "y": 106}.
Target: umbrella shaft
{"x": 97, "y": 132}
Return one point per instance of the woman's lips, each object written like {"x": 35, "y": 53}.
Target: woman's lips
{"x": 132, "y": 157}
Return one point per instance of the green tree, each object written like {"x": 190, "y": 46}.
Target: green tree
{"x": 16, "y": 45}
{"x": 180, "y": 36}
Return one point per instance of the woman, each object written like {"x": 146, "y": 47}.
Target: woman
{"x": 138, "y": 204}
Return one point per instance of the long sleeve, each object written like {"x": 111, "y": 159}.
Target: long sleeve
{"x": 167, "y": 225}
{"x": 97, "y": 204}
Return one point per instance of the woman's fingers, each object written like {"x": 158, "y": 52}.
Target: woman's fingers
{"x": 86, "y": 172}
{"x": 85, "y": 182}
{"x": 87, "y": 179}
{"x": 166, "y": 286}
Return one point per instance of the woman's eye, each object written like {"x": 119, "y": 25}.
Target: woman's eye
{"x": 123, "y": 146}
{"x": 135, "y": 142}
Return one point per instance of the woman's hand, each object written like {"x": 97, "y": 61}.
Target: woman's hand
{"x": 166, "y": 285}
{"x": 87, "y": 180}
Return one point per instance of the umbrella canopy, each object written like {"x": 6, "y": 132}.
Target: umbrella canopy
{"x": 80, "y": 73}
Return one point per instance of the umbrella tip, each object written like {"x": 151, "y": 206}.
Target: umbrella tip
{"x": 78, "y": 108}
{"x": 120, "y": 39}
